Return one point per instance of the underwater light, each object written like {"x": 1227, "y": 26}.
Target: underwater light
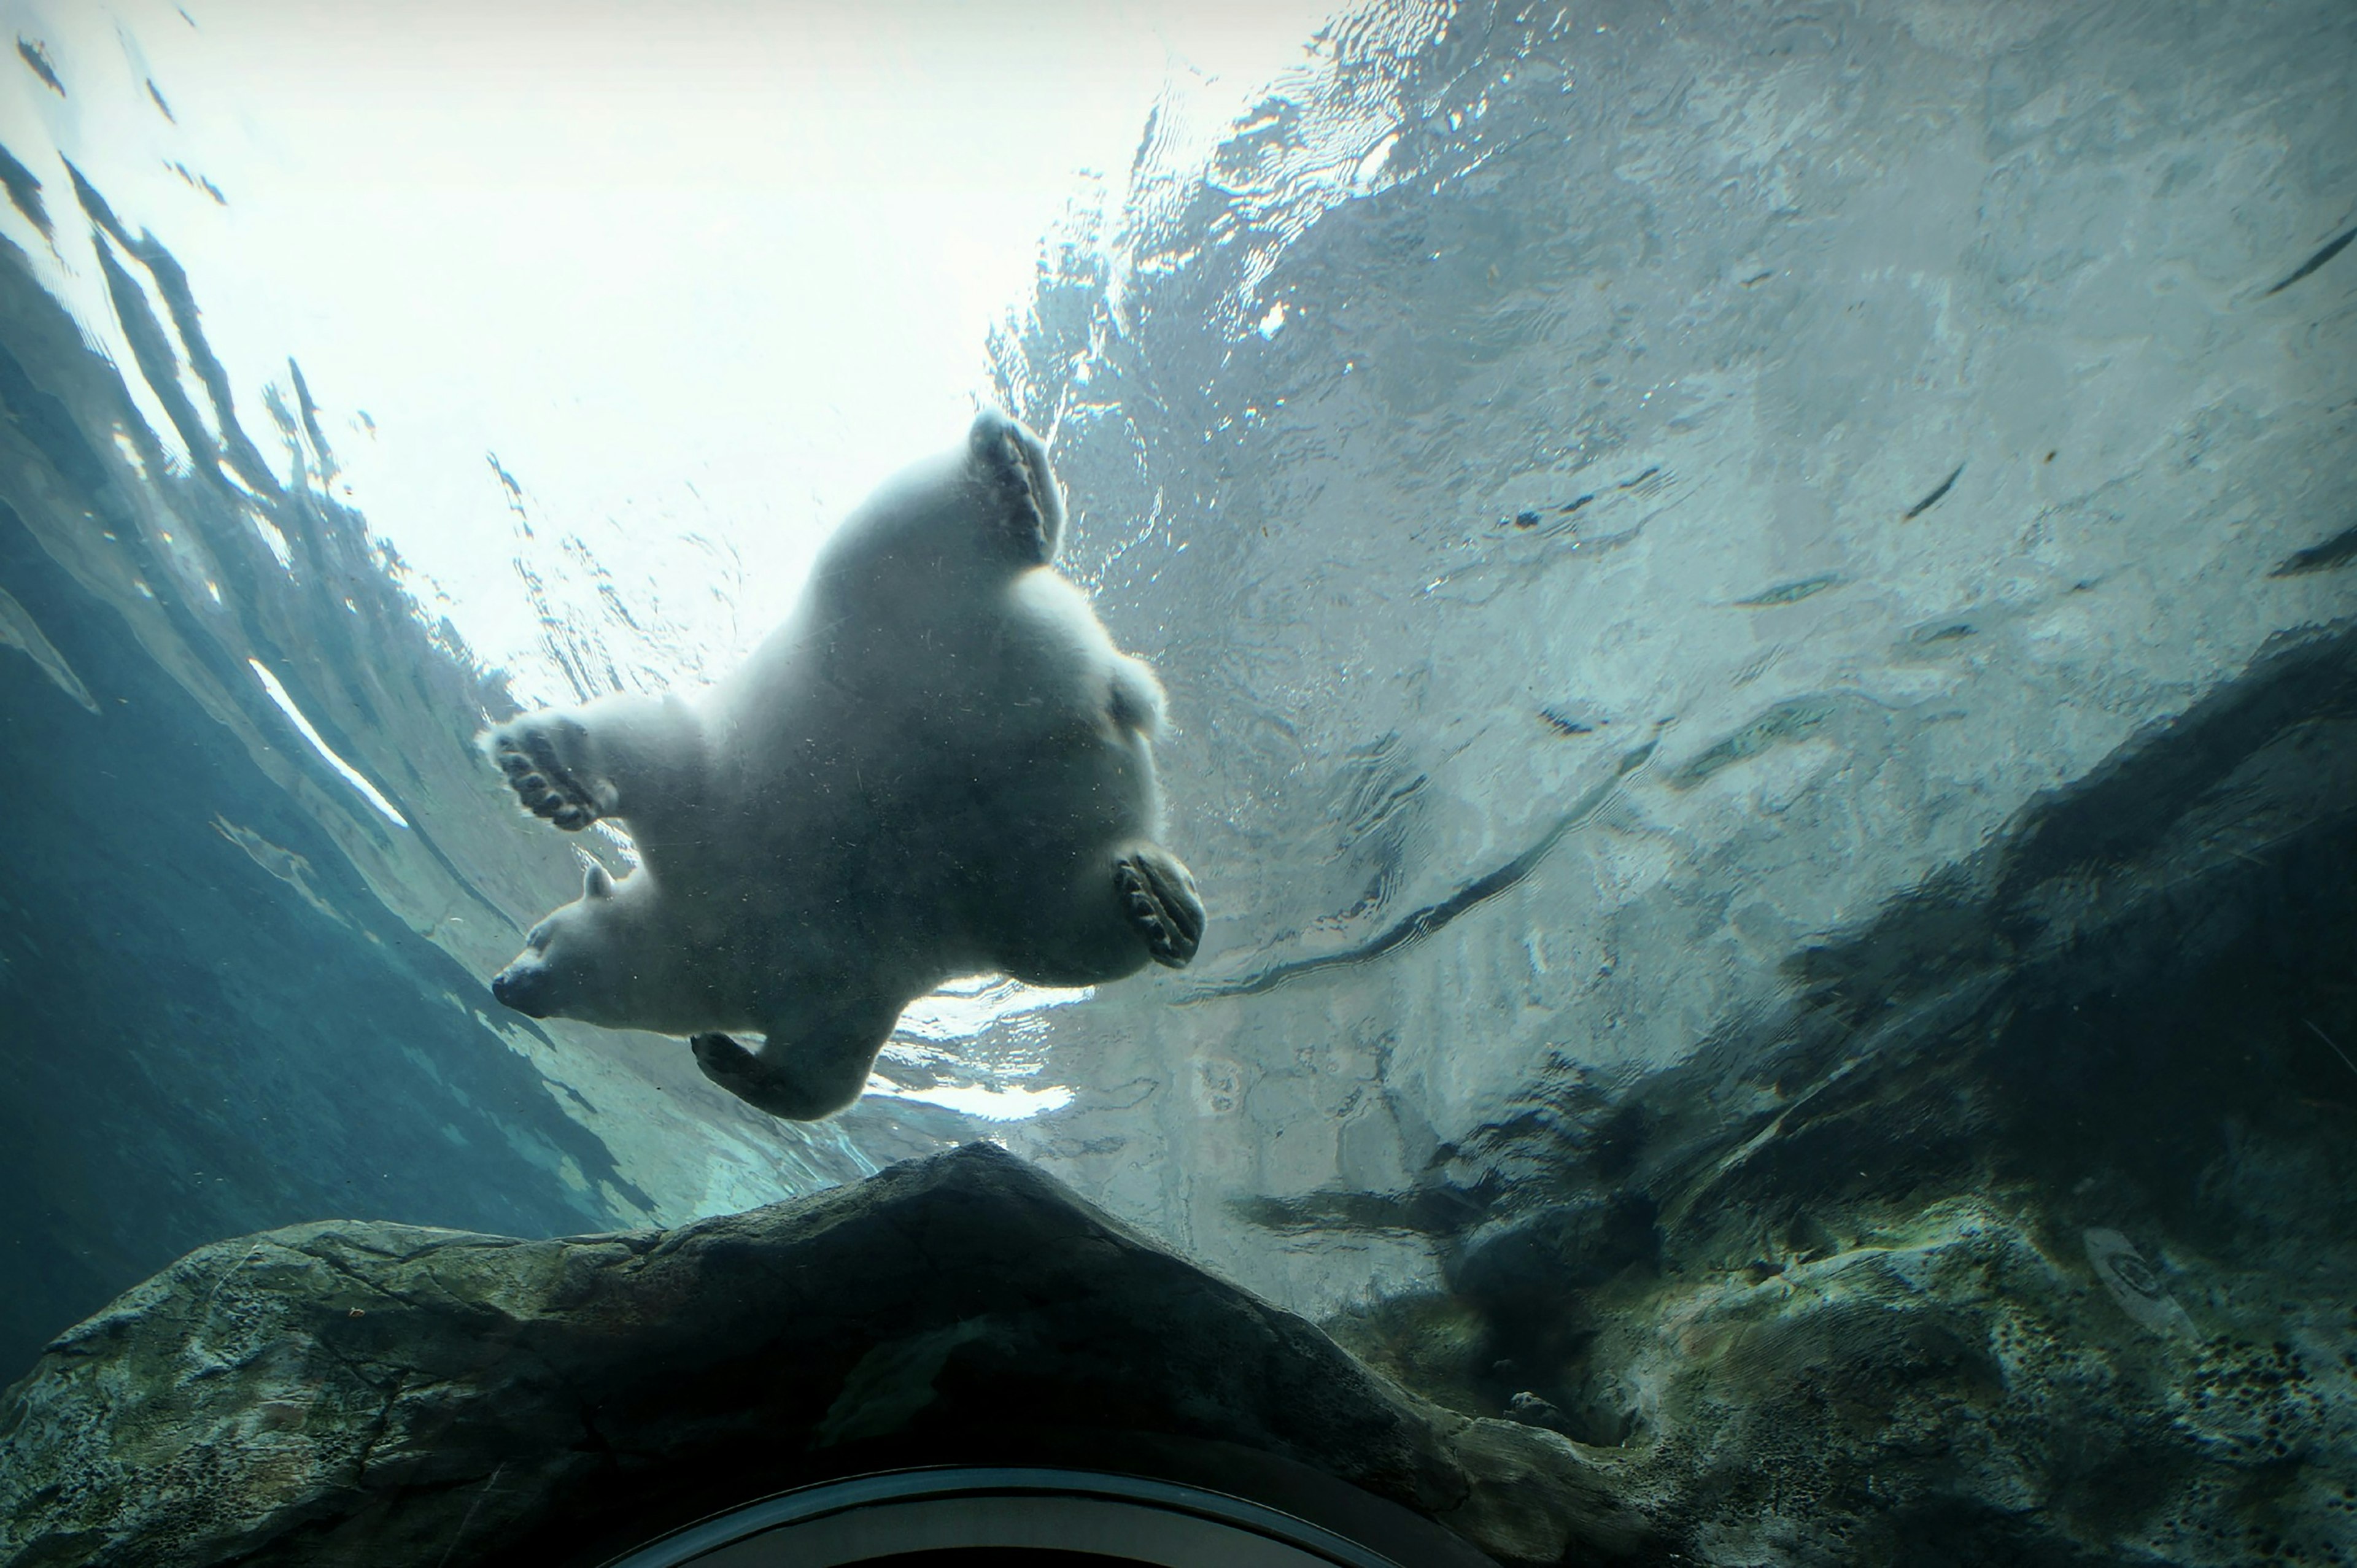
{"x": 974, "y": 1516}
{"x": 350, "y": 775}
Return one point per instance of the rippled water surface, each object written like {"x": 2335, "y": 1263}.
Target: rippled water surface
{"x": 1755, "y": 602}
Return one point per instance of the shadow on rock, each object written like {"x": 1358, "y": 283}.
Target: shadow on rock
{"x": 364, "y": 1393}
{"x": 2022, "y": 1233}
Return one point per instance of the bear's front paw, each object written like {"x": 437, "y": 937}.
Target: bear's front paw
{"x": 1158, "y": 896}
{"x": 543, "y": 783}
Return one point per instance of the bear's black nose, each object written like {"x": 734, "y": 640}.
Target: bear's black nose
{"x": 516, "y": 989}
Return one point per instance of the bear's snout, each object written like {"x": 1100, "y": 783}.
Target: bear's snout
{"x": 522, "y": 989}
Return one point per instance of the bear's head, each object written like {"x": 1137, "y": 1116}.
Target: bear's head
{"x": 575, "y": 964}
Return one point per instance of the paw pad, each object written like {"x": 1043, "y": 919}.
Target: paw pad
{"x": 1158, "y": 896}
{"x": 1006, "y": 464}
{"x": 541, "y": 784}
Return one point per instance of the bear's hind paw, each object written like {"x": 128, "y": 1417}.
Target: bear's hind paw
{"x": 542, "y": 783}
{"x": 1158, "y": 898}
{"x": 1013, "y": 467}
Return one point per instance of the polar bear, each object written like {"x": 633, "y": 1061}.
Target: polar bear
{"x": 940, "y": 765}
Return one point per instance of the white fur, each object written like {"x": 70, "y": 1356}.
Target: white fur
{"x": 931, "y": 769}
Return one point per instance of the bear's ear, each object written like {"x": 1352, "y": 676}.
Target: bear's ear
{"x": 595, "y": 884}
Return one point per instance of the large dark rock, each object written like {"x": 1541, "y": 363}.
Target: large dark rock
{"x": 2021, "y": 1233}
{"x": 355, "y": 1393}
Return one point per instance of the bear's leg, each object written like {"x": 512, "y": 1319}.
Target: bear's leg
{"x": 1011, "y": 466}
{"x": 814, "y": 1072}
{"x": 1157, "y": 898}
{"x": 1136, "y": 700}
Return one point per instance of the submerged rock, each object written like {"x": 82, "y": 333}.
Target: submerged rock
{"x": 356, "y": 1392}
{"x": 2020, "y": 1232}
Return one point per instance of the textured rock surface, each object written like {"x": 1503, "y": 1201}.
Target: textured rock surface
{"x": 357, "y": 1393}
{"x": 2022, "y": 1233}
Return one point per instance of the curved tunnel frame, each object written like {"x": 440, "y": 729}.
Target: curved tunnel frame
{"x": 900, "y": 1515}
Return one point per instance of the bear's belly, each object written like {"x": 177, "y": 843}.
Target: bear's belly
{"x": 956, "y": 862}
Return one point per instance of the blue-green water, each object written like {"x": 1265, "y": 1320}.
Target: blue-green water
{"x": 1757, "y": 606}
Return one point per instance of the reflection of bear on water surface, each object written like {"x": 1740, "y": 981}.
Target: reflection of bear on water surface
{"x": 939, "y": 766}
